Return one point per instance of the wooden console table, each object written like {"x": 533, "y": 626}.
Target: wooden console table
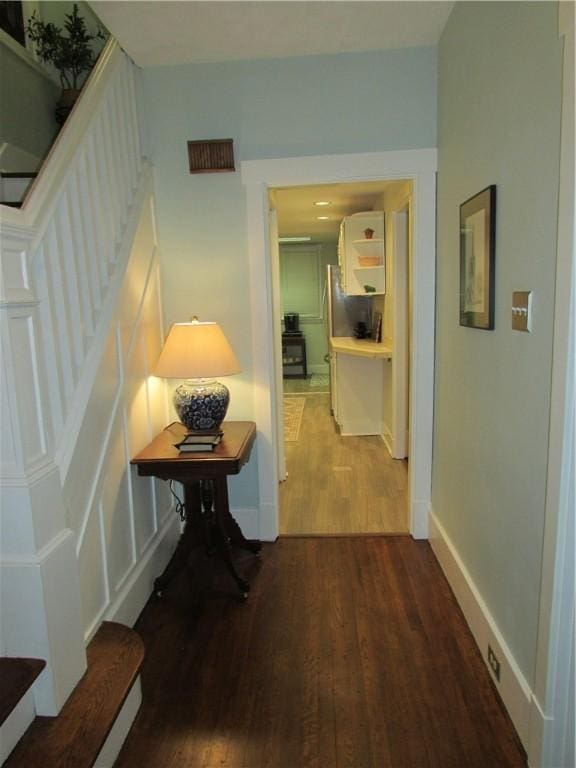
{"x": 210, "y": 530}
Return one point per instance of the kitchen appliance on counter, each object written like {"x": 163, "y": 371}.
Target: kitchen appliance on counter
{"x": 292, "y": 323}
{"x": 343, "y": 313}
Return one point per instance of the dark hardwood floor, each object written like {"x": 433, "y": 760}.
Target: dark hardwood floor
{"x": 348, "y": 652}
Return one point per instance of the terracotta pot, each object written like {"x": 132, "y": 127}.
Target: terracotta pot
{"x": 65, "y": 103}
{"x": 368, "y": 233}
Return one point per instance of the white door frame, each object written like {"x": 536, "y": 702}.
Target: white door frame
{"x": 400, "y": 331}
{"x": 258, "y": 176}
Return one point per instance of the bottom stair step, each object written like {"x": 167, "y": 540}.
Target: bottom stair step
{"x": 75, "y": 737}
{"x": 17, "y": 676}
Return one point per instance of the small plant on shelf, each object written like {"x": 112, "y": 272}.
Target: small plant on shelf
{"x": 69, "y": 50}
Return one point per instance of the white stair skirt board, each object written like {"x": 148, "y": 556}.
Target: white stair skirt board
{"x": 121, "y": 727}
{"x": 16, "y": 724}
{"x": 512, "y": 686}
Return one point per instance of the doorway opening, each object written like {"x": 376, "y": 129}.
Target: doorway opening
{"x": 258, "y": 177}
{"x": 344, "y": 471}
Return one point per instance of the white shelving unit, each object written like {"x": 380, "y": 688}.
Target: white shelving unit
{"x": 363, "y": 258}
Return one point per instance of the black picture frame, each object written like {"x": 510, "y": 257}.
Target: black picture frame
{"x": 477, "y": 258}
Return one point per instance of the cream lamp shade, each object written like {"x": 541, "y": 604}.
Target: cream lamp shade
{"x": 198, "y": 351}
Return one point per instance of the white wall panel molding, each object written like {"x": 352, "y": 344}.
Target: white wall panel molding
{"x": 24, "y": 401}
{"x": 120, "y": 519}
{"x": 15, "y": 286}
{"x": 512, "y": 686}
{"x": 137, "y": 588}
{"x": 31, "y": 514}
{"x": 77, "y": 406}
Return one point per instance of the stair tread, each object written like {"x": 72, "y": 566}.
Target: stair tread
{"x": 18, "y": 174}
{"x": 17, "y": 675}
{"x": 75, "y": 738}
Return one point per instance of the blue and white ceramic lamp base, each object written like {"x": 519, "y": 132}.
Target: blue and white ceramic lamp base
{"x": 201, "y": 404}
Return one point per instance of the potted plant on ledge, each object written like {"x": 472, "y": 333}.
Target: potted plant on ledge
{"x": 71, "y": 54}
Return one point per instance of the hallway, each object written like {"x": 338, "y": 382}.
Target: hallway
{"x": 349, "y": 652}
{"x": 340, "y": 485}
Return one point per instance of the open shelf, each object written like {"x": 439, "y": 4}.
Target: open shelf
{"x": 363, "y": 259}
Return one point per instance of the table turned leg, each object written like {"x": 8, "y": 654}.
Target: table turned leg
{"x": 230, "y": 527}
{"x": 215, "y": 508}
{"x": 188, "y": 540}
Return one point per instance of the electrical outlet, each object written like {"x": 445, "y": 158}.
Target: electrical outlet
{"x": 494, "y": 663}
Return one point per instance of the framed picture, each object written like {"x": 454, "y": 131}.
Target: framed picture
{"x": 477, "y": 247}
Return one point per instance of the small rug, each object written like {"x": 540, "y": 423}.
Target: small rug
{"x": 293, "y": 409}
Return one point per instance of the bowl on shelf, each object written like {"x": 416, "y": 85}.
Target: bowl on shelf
{"x": 369, "y": 261}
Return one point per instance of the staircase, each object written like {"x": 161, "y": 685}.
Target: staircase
{"x": 81, "y": 327}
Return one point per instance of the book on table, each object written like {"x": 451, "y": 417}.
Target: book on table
{"x": 199, "y": 441}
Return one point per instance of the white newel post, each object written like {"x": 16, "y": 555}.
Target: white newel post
{"x": 40, "y": 608}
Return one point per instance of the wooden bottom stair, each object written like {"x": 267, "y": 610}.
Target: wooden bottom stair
{"x": 76, "y": 736}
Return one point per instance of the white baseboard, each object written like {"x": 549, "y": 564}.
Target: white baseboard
{"x": 122, "y": 725}
{"x": 387, "y": 438}
{"x": 267, "y": 523}
{"x": 139, "y": 586}
{"x": 247, "y": 519}
{"x": 512, "y": 686}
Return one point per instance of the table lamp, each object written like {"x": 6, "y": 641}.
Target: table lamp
{"x": 197, "y": 352}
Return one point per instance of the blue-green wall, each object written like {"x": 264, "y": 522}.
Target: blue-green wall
{"x": 498, "y": 123}
{"x": 290, "y": 107}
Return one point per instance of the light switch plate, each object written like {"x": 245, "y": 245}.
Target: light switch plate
{"x": 522, "y": 310}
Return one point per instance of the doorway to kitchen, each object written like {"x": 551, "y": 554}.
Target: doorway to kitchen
{"x": 341, "y": 477}
{"x": 258, "y": 177}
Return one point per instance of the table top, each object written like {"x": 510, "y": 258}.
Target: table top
{"x": 161, "y": 459}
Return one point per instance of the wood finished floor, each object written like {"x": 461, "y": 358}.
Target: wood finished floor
{"x": 349, "y": 653}
{"x": 340, "y": 485}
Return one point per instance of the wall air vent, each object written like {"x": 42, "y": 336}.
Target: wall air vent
{"x": 213, "y": 156}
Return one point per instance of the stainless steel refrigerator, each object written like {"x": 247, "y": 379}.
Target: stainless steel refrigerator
{"x": 342, "y": 312}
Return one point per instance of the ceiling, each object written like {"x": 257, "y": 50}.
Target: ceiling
{"x": 297, "y": 212}
{"x": 161, "y": 32}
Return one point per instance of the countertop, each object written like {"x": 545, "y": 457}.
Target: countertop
{"x": 348, "y": 345}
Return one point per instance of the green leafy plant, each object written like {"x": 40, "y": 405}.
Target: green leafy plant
{"x": 70, "y": 53}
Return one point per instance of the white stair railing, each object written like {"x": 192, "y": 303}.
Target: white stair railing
{"x": 80, "y": 320}
{"x": 60, "y": 250}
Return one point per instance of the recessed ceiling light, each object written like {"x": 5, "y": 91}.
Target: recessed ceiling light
{"x": 322, "y": 218}
{"x": 322, "y": 202}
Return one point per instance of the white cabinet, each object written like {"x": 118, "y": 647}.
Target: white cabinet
{"x": 362, "y": 254}
{"x": 357, "y": 385}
